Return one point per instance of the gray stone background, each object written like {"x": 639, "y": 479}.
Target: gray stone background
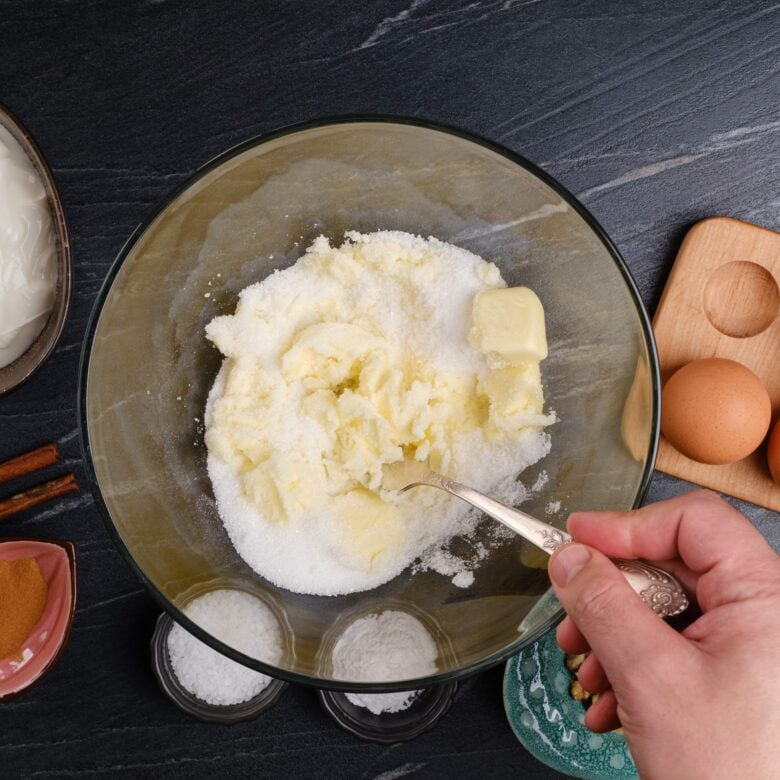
{"x": 656, "y": 113}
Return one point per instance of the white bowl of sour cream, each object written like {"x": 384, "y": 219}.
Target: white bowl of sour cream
{"x": 35, "y": 265}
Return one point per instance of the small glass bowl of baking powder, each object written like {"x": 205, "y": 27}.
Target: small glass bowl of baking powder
{"x": 34, "y": 313}
{"x": 370, "y": 720}
{"x": 385, "y": 642}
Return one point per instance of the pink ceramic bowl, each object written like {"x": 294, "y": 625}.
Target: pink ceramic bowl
{"x": 57, "y": 560}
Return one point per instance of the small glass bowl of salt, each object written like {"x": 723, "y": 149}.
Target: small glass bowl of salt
{"x": 205, "y": 683}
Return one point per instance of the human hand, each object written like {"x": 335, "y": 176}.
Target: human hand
{"x": 704, "y": 703}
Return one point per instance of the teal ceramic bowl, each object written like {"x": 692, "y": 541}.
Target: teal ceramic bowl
{"x": 550, "y": 724}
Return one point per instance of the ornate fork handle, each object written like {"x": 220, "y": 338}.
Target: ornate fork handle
{"x": 657, "y": 588}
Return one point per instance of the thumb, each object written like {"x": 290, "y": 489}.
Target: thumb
{"x": 627, "y": 637}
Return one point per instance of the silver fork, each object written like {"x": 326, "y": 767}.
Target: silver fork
{"x": 657, "y": 588}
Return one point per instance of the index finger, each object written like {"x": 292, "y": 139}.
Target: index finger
{"x": 699, "y": 527}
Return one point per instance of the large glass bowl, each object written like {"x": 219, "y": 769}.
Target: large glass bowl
{"x": 146, "y": 367}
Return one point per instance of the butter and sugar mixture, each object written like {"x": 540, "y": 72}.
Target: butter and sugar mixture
{"x": 387, "y": 347}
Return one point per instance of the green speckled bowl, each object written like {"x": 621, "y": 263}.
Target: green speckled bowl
{"x": 550, "y": 724}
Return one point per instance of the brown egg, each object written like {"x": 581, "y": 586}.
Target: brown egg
{"x": 715, "y": 411}
{"x": 773, "y": 453}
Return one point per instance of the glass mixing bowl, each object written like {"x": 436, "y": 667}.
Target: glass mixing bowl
{"x": 147, "y": 368}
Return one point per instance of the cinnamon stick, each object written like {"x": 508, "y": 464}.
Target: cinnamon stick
{"x": 29, "y": 462}
{"x": 54, "y": 488}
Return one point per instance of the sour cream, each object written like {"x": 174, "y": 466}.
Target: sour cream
{"x": 28, "y": 273}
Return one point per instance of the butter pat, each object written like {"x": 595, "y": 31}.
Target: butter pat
{"x": 515, "y": 400}
{"x": 508, "y": 326}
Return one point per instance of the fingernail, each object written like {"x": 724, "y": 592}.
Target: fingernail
{"x": 567, "y": 562}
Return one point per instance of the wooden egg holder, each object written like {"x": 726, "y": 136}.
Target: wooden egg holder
{"x": 722, "y": 299}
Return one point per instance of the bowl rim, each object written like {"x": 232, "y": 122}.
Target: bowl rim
{"x": 257, "y": 140}
{"x": 17, "y": 372}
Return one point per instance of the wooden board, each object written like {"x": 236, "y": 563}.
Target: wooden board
{"x": 722, "y": 300}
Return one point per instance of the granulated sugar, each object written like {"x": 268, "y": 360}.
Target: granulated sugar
{"x": 383, "y": 647}
{"x": 460, "y": 568}
{"x": 357, "y": 356}
{"x": 242, "y": 622}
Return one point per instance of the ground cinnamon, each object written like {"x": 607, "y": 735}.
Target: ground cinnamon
{"x": 23, "y": 594}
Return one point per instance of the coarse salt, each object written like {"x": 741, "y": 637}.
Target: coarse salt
{"x": 242, "y": 622}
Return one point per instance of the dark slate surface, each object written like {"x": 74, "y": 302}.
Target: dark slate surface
{"x": 656, "y": 113}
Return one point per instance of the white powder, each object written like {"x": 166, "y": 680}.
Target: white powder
{"x": 460, "y": 568}
{"x": 541, "y": 481}
{"x": 463, "y": 579}
{"x": 296, "y": 477}
{"x": 239, "y": 620}
{"x": 384, "y": 703}
{"x": 383, "y": 647}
